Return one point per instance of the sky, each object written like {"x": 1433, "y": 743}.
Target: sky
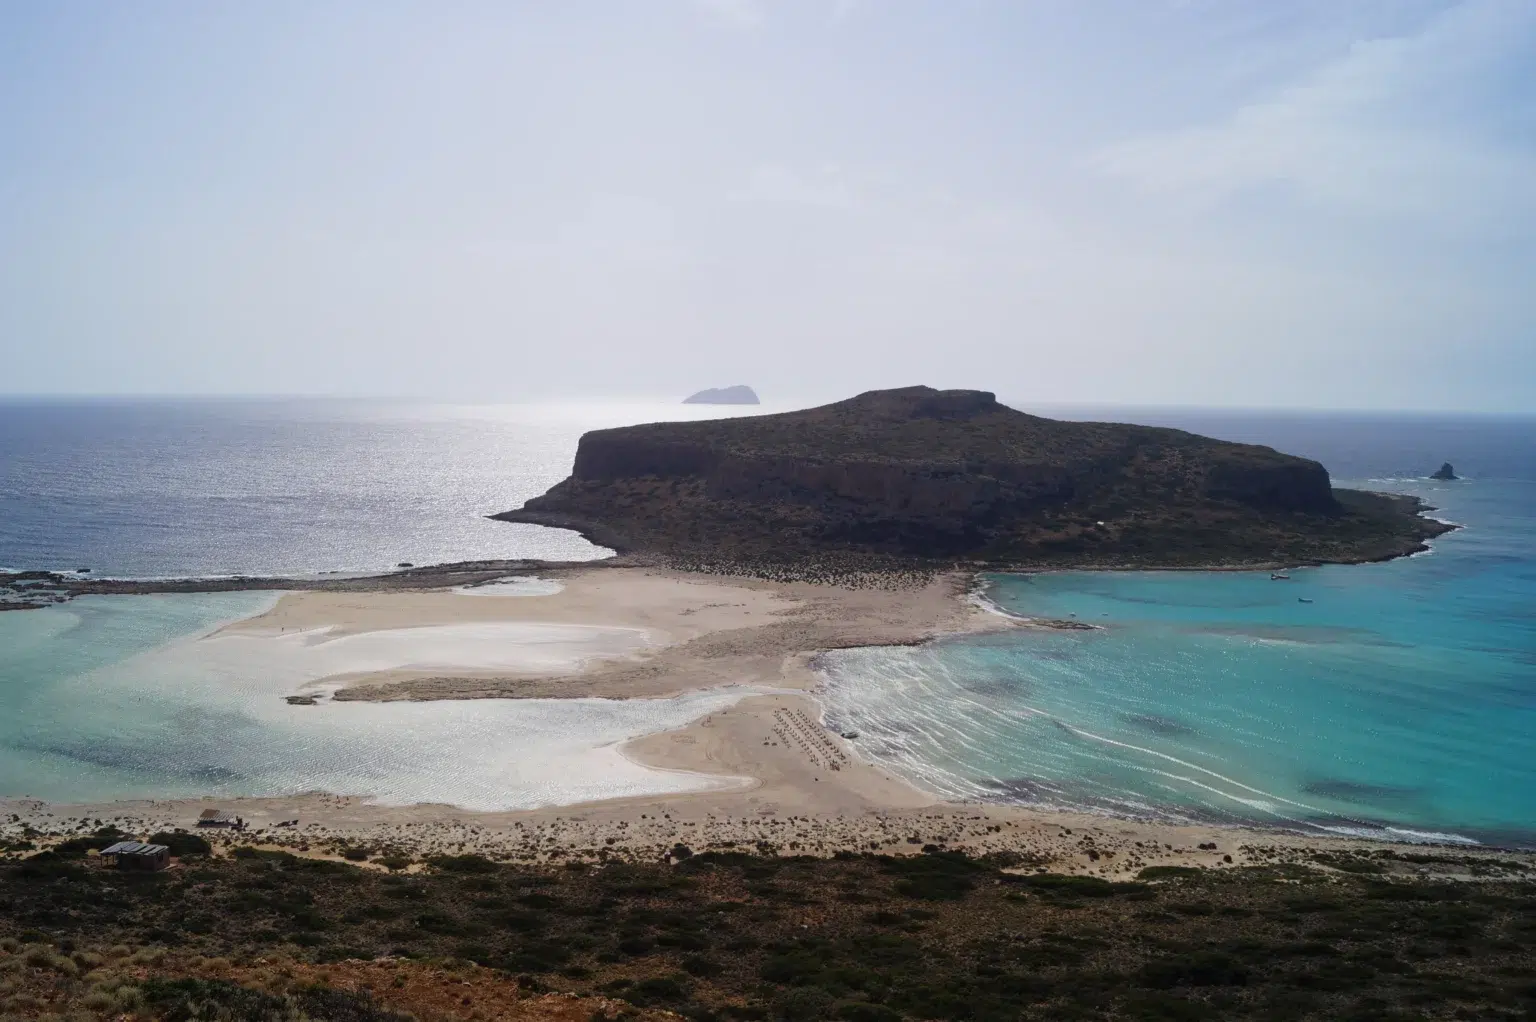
{"x": 1270, "y": 203}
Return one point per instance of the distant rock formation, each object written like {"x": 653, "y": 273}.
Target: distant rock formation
{"x": 925, "y": 474}
{"x": 738, "y": 395}
{"x": 1446, "y": 472}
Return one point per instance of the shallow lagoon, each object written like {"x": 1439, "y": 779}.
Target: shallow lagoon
{"x": 129, "y": 697}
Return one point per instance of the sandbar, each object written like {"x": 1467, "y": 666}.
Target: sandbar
{"x": 701, "y": 631}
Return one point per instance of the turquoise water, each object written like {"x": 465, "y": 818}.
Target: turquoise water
{"x": 118, "y": 697}
{"x": 1400, "y": 701}
{"x": 65, "y": 731}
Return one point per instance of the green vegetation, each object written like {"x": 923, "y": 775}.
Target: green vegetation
{"x": 736, "y": 936}
{"x": 194, "y": 1000}
{"x": 1167, "y": 872}
{"x": 182, "y": 844}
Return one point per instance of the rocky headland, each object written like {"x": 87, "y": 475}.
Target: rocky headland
{"x": 920, "y": 475}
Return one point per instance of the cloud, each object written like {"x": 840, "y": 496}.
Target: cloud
{"x": 623, "y": 230}
{"x": 741, "y": 13}
{"x": 843, "y": 10}
{"x": 775, "y": 183}
{"x": 1416, "y": 126}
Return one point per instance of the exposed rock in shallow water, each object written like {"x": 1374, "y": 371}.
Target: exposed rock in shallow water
{"x": 1160, "y": 725}
{"x": 1363, "y": 792}
{"x": 1445, "y": 472}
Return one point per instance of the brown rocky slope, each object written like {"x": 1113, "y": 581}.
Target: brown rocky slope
{"x": 918, "y": 474}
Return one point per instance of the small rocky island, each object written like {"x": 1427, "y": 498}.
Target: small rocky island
{"x": 918, "y": 475}
{"x": 1445, "y": 472}
{"x": 738, "y": 395}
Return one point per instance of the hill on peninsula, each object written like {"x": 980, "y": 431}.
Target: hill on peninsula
{"x": 918, "y": 474}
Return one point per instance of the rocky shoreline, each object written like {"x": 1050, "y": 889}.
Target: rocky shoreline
{"x": 61, "y": 586}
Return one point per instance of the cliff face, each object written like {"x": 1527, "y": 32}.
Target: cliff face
{"x": 1293, "y": 485}
{"x": 924, "y": 473}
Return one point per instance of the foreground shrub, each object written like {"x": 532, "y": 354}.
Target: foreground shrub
{"x": 1203, "y": 969}
{"x": 181, "y": 843}
{"x": 201, "y": 1000}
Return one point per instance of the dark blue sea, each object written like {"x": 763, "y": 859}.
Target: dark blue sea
{"x": 159, "y": 489}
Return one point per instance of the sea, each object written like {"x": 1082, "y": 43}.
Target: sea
{"x": 172, "y": 489}
{"x": 1394, "y": 700}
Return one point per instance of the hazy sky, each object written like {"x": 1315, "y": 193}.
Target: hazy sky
{"x": 1310, "y": 203}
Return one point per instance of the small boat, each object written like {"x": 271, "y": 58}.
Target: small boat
{"x": 1302, "y": 599}
{"x": 1279, "y": 576}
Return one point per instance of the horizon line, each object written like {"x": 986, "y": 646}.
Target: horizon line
{"x": 1016, "y": 403}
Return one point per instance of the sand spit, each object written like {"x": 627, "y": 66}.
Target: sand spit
{"x": 703, "y": 631}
